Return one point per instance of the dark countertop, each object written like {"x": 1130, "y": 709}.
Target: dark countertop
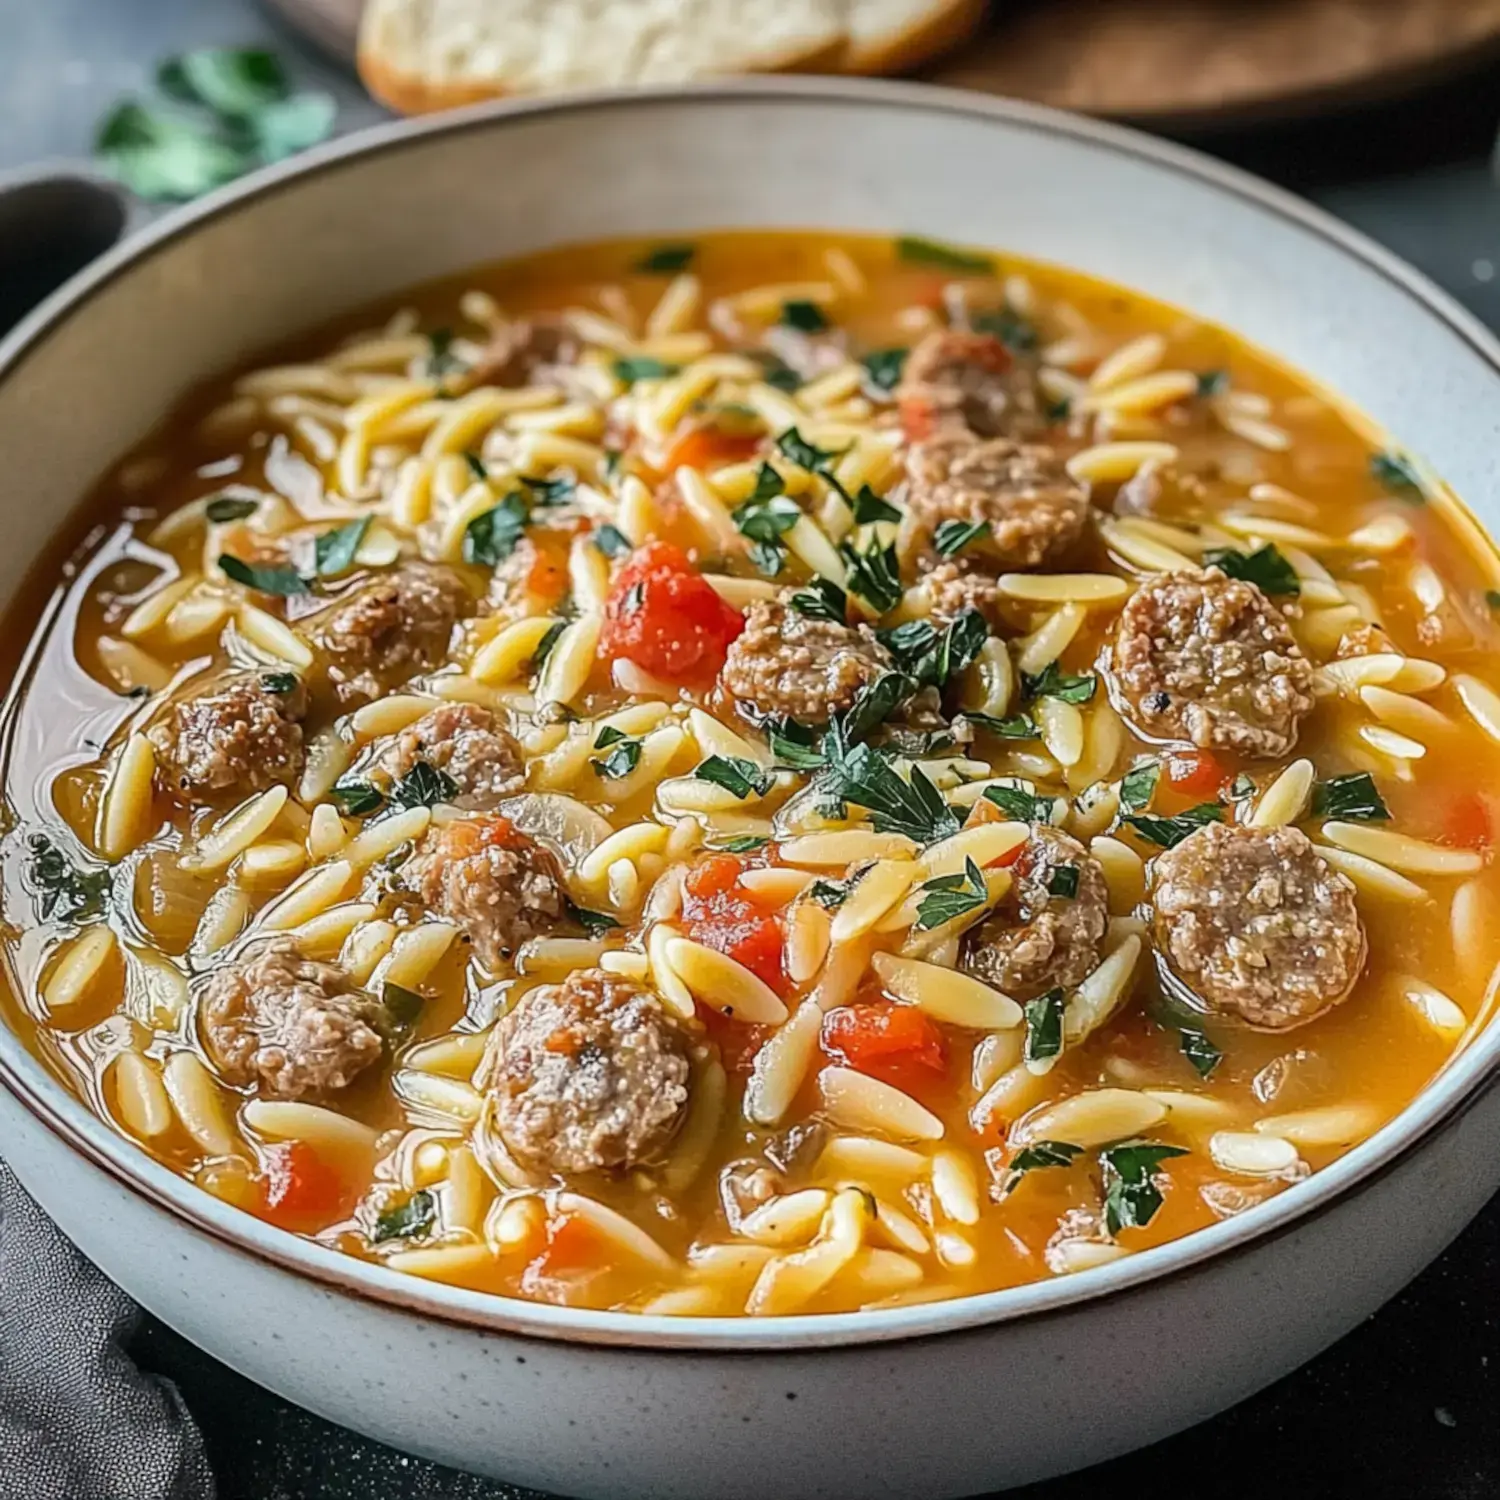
{"x": 1403, "y": 1407}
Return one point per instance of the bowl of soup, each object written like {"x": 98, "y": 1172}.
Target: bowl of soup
{"x": 731, "y": 790}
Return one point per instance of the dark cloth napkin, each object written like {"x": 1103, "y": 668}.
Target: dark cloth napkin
{"x": 78, "y": 1420}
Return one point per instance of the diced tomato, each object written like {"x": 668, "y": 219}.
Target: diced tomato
{"x": 709, "y": 448}
{"x": 298, "y": 1189}
{"x": 661, "y": 615}
{"x": 897, "y": 1043}
{"x": 1467, "y": 823}
{"x": 547, "y": 578}
{"x": 719, "y": 913}
{"x": 737, "y": 1042}
{"x": 1195, "y": 773}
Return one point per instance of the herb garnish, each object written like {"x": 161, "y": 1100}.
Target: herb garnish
{"x": 1212, "y": 382}
{"x": 492, "y": 535}
{"x": 545, "y": 492}
{"x": 1131, "y": 1196}
{"x": 1053, "y": 682}
{"x": 1138, "y": 786}
{"x": 829, "y": 894}
{"x": 402, "y": 1005}
{"x": 1044, "y": 1027}
{"x": 951, "y": 896}
{"x": 1398, "y": 474}
{"x": 951, "y": 537}
{"x": 477, "y": 466}
{"x": 335, "y": 550}
{"x": 1016, "y": 802}
{"x": 1265, "y": 567}
{"x": 62, "y": 889}
{"x": 423, "y": 786}
{"x": 739, "y": 777}
{"x": 872, "y": 706}
{"x": 741, "y": 843}
{"x": 412, "y": 1220}
{"x": 356, "y": 795}
{"x": 547, "y": 642}
{"x": 1355, "y": 798}
{"x": 441, "y": 360}
{"x": 1169, "y": 832}
{"x": 284, "y": 582}
{"x": 279, "y": 683}
{"x": 883, "y": 368}
{"x": 805, "y": 317}
{"x": 915, "y": 809}
{"x": 922, "y": 252}
{"x": 868, "y": 506}
{"x": 1034, "y": 1157}
{"x": 1012, "y": 727}
{"x": 765, "y": 519}
{"x": 595, "y": 923}
{"x": 873, "y": 574}
{"x": 624, "y": 754}
{"x": 1063, "y": 882}
{"x": 822, "y": 599}
{"x": 665, "y": 260}
{"x": 611, "y": 541}
{"x": 792, "y": 745}
{"x": 642, "y": 367}
{"x": 1007, "y": 325}
{"x": 229, "y": 508}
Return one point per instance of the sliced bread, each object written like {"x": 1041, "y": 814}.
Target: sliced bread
{"x": 419, "y": 55}
{"x": 894, "y": 36}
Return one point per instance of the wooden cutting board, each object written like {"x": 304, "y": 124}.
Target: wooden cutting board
{"x": 1167, "y": 61}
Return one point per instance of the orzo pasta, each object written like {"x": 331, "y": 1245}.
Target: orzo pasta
{"x": 764, "y": 775}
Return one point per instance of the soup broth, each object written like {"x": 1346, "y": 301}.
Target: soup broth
{"x": 782, "y": 773}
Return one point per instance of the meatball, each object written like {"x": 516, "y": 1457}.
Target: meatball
{"x": 586, "y": 1076}
{"x": 1209, "y": 659}
{"x": 787, "y": 665}
{"x": 1042, "y": 937}
{"x": 1255, "y": 923}
{"x": 1034, "y": 509}
{"x": 956, "y": 382}
{"x": 292, "y": 1028}
{"x": 528, "y": 352}
{"x": 390, "y": 629}
{"x": 493, "y": 882}
{"x": 241, "y": 734}
{"x": 955, "y": 586}
{"x": 466, "y": 743}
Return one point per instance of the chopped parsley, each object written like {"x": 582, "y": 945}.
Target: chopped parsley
{"x": 1131, "y": 1196}
{"x": 229, "y": 508}
{"x": 1044, "y": 1027}
{"x": 1063, "y": 882}
{"x": 1198, "y": 1050}
{"x": 285, "y": 582}
{"x": 1355, "y": 798}
{"x": 868, "y": 507}
{"x": 545, "y": 492}
{"x": 441, "y": 360}
{"x": 624, "y": 754}
{"x": 335, "y": 550}
{"x": 780, "y": 375}
{"x": 805, "y": 317}
{"x": 423, "y": 786}
{"x": 357, "y": 796}
{"x": 402, "y": 1005}
{"x": 1007, "y": 325}
{"x": 922, "y": 252}
{"x": 547, "y": 642}
{"x": 829, "y": 894}
{"x": 595, "y": 923}
{"x": 412, "y": 1220}
{"x": 1138, "y": 786}
{"x": 764, "y": 521}
{"x": 611, "y": 541}
{"x": 666, "y": 260}
{"x": 822, "y": 599}
{"x": 477, "y": 466}
{"x": 873, "y": 574}
{"x": 883, "y": 368}
{"x": 1398, "y": 474}
{"x": 1016, "y": 802}
{"x": 739, "y": 777}
{"x": 1265, "y": 567}
{"x": 935, "y": 656}
{"x": 872, "y": 706}
{"x": 279, "y": 683}
{"x": 642, "y": 367}
{"x": 1212, "y": 382}
{"x": 914, "y": 809}
{"x": 951, "y": 896}
{"x": 1035, "y": 1157}
{"x": 1167, "y": 833}
{"x": 492, "y": 535}
{"x": 1012, "y": 727}
{"x": 62, "y": 889}
{"x": 951, "y": 537}
{"x": 741, "y": 843}
{"x": 1053, "y": 682}
{"x": 792, "y": 745}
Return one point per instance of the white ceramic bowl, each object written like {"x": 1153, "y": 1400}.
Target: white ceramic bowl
{"x": 942, "y": 1399}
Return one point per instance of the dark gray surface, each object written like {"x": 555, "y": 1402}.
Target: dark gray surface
{"x": 1404, "y": 1407}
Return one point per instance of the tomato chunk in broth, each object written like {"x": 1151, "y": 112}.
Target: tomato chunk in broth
{"x": 778, "y": 773}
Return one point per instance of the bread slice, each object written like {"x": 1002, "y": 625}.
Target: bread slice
{"x": 894, "y": 36}
{"x": 419, "y": 55}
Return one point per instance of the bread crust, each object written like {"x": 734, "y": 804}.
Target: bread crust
{"x": 939, "y": 26}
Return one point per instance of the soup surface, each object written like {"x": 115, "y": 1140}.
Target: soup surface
{"x": 776, "y": 774}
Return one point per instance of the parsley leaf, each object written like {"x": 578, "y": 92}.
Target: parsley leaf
{"x": 642, "y": 367}
{"x": 423, "y": 786}
{"x": 1213, "y": 382}
{"x": 822, "y": 599}
{"x": 920, "y": 252}
{"x": 767, "y": 520}
{"x": 229, "y": 508}
{"x": 1198, "y": 1050}
{"x": 872, "y": 706}
{"x": 1169, "y": 832}
{"x": 873, "y": 574}
{"x": 1398, "y": 474}
{"x": 279, "y": 683}
{"x": 595, "y": 923}
{"x": 62, "y": 889}
{"x": 1354, "y": 798}
{"x": 230, "y": 81}
{"x": 804, "y": 454}
{"x": 1033, "y": 1158}
{"x": 868, "y": 506}
{"x": 792, "y": 745}
{"x": 335, "y": 550}
{"x": 1131, "y": 1196}
{"x": 1138, "y": 786}
{"x": 545, "y": 492}
{"x": 805, "y": 317}
{"x": 1063, "y": 882}
{"x": 477, "y": 466}
{"x": 611, "y": 541}
{"x": 545, "y": 645}
{"x": 622, "y": 758}
{"x": 1053, "y": 682}
{"x": 953, "y": 651}
{"x": 1012, "y": 727}
{"x": 915, "y": 809}
{"x": 284, "y": 582}
{"x": 768, "y": 484}
{"x": 1007, "y": 325}
{"x": 1265, "y": 567}
{"x": 741, "y": 843}
{"x": 951, "y": 537}
{"x": 951, "y": 896}
{"x": 356, "y": 795}
{"x": 737, "y": 776}
{"x": 883, "y": 368}
{"x": 666, "y": 260}
{"x": 829, "y": 894}
{"x": 1044, "y": 1027}
{"x": 402, "y": 1005}
{"x": 412, "y": 1220}
{"x": 1016, "y": 802}
{"x": 164, "y": 157}
{"x": 492, "y": 535}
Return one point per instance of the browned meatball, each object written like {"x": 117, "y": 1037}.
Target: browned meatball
{"x": 466, "y": 743}
{"x": 955, "y": 586}
{"x": 1041, "y": 937}
{"x": 1255, "y": 923}
{"x": 785, "y": 665}
{"x": 587, "y": 1076}
{"x": 1209, "y": 659}
{"x": 957, "y": 382}
{"x": 390, "y": 629}
{"x": 241, "y": 734}
{"x": 292, "y": 1028}
{"x": 494, "y": 883}
{"x": 529, "y": 352}
{"x": 1033, "y": 508}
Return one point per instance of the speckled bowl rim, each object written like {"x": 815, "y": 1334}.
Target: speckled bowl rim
{"x": 1445, "y": 1098}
